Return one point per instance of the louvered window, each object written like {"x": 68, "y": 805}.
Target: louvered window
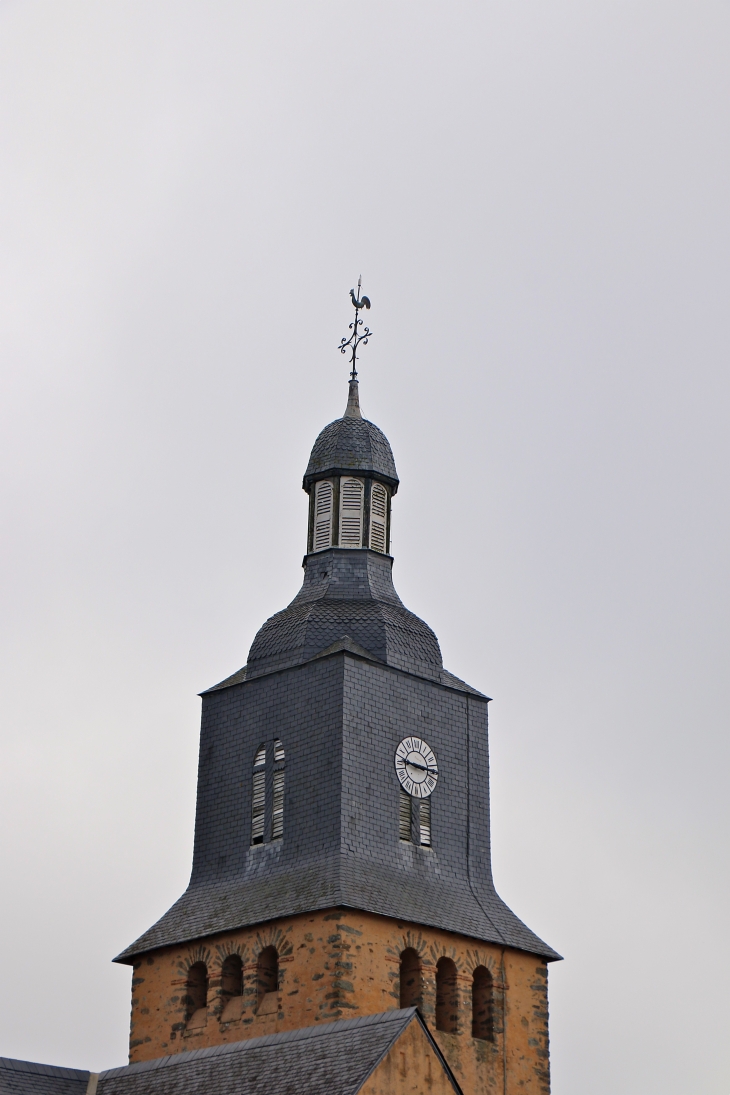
{"x": 378, "y": 517}
{"x": 258, "y": 808}
{"x": 351, "y": 498}
{"x": 323, "y": 497}
{"x": 405, "y": 808}
{"x": 277, "y": 818}
{"x": 425, "y": 822}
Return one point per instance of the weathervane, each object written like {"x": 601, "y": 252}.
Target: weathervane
{"x": 356, "y": 338}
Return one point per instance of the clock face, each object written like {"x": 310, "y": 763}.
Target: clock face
{"x": 416, "y": 768}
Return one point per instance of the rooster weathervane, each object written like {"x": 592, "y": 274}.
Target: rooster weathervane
{"x": 357, "y": 336}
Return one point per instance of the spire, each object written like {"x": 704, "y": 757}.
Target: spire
{"x": 352, "y": 410}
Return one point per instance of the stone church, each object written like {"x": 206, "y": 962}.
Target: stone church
{"x": 341, "y": 932}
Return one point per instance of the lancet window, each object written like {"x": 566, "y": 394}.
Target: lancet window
{"x": 267, "y": 795}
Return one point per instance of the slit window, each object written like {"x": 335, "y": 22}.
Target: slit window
{"x": 351, "y": 502}
{"x": 277, "y": 815}
{"x": 378, "y": 517}
{"x": 323, "y": 497}
{"x": 258, "y": 806}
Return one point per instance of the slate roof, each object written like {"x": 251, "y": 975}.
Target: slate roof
{"x": 340, "y": 676}
{"x": 335, "y": 1058}
{"x": 346, "y": 593}
{"x": 351, "y": 444}
{"x": 28, "y": 1078}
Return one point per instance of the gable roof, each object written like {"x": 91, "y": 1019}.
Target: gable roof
{"x": 29, "y": 1078}
{"x": 336, "y": 1058}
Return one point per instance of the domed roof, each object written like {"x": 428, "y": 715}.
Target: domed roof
{"x": 352, "y": 444}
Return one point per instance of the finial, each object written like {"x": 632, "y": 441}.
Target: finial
{"x": 356, "y": 338}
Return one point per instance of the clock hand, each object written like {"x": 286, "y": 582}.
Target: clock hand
{"x": 421, "y": 767}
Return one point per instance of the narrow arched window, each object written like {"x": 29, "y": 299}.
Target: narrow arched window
{"x": 267, "y": 977}
{"x": 405, "y": 814}
{"x": 258, "y": 798}
{"x": 378, "y": 517}
{"x": 277, "y": 816}
{"x": 231, "y": 978}
{"x": 410, "y": 979}
{"x": 481, "y": 1004}
{"x": 231, "y": 1002}
{"x": 323, "y": 498}
{"x": 447, "y": 997}
{"x": 196, "y": 998}
{"x": 351, "y": 500}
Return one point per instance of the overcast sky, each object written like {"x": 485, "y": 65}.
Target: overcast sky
{"x": 536, "y": 195}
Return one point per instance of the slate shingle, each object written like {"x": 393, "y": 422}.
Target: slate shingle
{"x": 351, "y": 445}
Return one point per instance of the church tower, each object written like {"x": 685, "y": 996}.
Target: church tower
{"x": 341, "y": 865}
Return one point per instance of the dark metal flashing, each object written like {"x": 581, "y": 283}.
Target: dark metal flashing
{"x": 362, "y": 473}
{"x": 346, "y": 645}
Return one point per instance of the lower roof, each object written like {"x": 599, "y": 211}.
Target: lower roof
{"x": 334, "y": 1058}
{"x": 29, "y": 1078}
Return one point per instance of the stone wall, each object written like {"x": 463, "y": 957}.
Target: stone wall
{"x": 341, "y": 964}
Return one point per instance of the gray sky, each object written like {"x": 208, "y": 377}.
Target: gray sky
{"x": 536, "y": 195}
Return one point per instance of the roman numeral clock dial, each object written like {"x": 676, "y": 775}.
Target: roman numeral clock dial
{"x": 416, "y": 767}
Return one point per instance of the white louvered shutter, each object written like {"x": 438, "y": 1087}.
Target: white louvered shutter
{"x": 378, "y": 516}
{"x": 258, "y": 807}
{"x": 425, "y": 822}
{"x": 322, "y": 515}
{"x": 405, "y": 806}
{"x": 351, "y": 500}
{"x": 277, "y": 816}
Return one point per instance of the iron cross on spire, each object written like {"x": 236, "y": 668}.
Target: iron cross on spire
{"x": 356, "y": 337}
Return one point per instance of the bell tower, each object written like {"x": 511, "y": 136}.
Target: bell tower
{"x": 341, "y": 865}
